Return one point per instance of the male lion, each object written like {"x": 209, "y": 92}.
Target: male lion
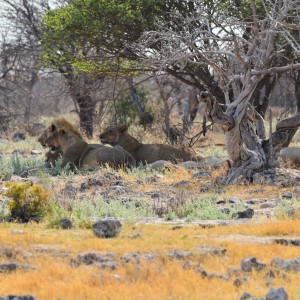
{"x": 53, "y": 154}
{"x": 79, "y": 153}
{"x": 145, "y": 153}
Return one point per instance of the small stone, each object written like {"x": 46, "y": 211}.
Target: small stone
{"x": 108, "y": 265}
{"x": 177, "y": 254}
{"x": 287, "y": 195}
{"x": 237, "y": 282}
{"x": 65, "y": 223}
{"x": 11, "y": 266}
{"x": 35, "y": 152}
{"x": 107, "y": 228}
{"x": 246, "y": 214}
{"x": 89, "y": 258}
{"x": 14, "y": 297}
{"x": 136, "y": 236}
{"x": 18, "y": 136}
{"x": 202, "y": 174}
{"x": 235, "y": 200}
{"x": 277, "y": 294}
{"x": 287, "y": 265}
{"x": 247, "y": 296}
{"x": 251, "y": 263}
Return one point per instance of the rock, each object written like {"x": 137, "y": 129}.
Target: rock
{"x": 89, "y": 258}
{"x": 287, "y": 265}
{"x": 277, "y": 294}
{"x": 65, "y": 223}
{"x": 177, "y": 227}
{"x": 188, "y": 265}
{"x": 267, "y": 205}
{"x": 93, "y": 182}
{"x": 35, "y": 152}
{"x": 133, "y": 257}
{"x": 177, "y": 254}
{"x": 245, "y": 214}
{"x": 202, "y": 174}
{"x": 18, "y": 136}
{"x": 181, "y": 183}
{"x": 211, "y": 251}
{"x": 69, "y": 190}
{"x": 14, "y": 297}
{"x": 287, "y": 195}
{"x": 291, "y": 154}
{"x": 293, "y": 242}
{"x": 11, "y": 266}
{"x": 136, "y": 236}
{"x": 107, "y": 228}
{"x": 235, "y": 200}
{"x": 108, "y": 265}
{"x": 251, "y": 263}
{"x": 189, "y": 165}
{"x": 159, "y": 165}
{"x": 247, "y": 296}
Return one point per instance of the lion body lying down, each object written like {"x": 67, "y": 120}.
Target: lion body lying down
{"x": 79, "y": 153}
{"x": 146, "y": 153}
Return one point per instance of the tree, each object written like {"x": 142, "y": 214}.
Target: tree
{"x": 240, "y": 65}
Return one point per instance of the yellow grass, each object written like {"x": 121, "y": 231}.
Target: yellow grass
{"x": 162, "y": 279}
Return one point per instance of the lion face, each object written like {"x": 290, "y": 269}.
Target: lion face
{"x": 112, "y": 135}
{"x": 53, "y": 141}
{"x": 44, "y": 136}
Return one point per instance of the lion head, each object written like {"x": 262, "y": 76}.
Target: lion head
{"x": 112, "y": 135}
{"x": 57, "y": 123}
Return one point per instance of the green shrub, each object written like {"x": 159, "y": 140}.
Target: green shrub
{"x": 29, "y": 201}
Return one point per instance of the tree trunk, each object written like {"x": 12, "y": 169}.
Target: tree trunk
{"x": 190, "y": 111}
{"x": 145, "y": 117}
{"x": 84, "y": 105}
{"x": 248, "y": 148}
{"x": 86, "y": 114}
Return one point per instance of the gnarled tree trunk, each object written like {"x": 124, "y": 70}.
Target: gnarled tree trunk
{"x": 244, "y": 131}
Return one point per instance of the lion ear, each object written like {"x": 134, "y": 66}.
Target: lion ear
{"x": 53, "y": 127}
{"x": 123, "y": 128}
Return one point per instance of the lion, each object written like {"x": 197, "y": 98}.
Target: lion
{"x": 78, "y": 153}
{"x": 146, "y": 153}
{"x": 53, "y": 154}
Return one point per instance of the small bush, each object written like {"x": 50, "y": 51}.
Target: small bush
{"x": 29, "y": 201}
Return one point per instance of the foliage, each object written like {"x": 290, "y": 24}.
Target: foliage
{"x": 124, "y": 111}
{"x": 16, "y": 164}
{"x": 203, "y": 208}
{"x": 82, "y": 212}
{"x": 28, "y": 200}
{"x": 70, "y": 31}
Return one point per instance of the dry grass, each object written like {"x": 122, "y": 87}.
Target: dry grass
{"x": 163, "y": 279}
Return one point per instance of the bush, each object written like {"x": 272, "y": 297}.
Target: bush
{"x": 29, "y": 201}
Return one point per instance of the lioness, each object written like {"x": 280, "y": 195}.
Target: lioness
{"x": 145, "y": 153}
{"x": 53, "y": 154}
{"x": 79, "y": 153}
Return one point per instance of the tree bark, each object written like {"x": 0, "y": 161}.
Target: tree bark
{"x": 145, "y": 117}
{"x": 244, "y": 132}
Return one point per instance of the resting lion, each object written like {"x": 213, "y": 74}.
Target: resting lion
{"x": 54, "y": 154}
{"x": 145, "y": 153}
{"x": 79, "y": 153}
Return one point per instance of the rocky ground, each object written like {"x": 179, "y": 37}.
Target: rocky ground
{"x": 242, "y": 244}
